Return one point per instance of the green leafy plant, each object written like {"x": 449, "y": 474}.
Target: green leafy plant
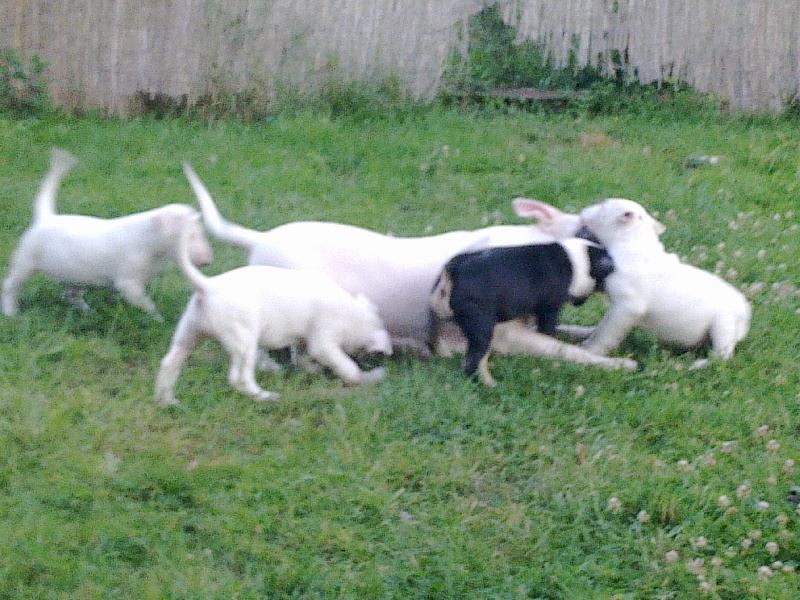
{"x": 22, "y": 87}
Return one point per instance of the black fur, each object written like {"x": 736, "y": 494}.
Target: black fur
{"x": 502, "y": 284}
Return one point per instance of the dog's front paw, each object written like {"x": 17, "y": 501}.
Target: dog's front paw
{"x": 264, "y": 395}
{"x": 373, "y": 375}
{"x": 620, "y": 363}
{"x": 167, "y": 400}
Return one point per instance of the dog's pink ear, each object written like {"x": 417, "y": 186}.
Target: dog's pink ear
{"x": 534, "y": 209}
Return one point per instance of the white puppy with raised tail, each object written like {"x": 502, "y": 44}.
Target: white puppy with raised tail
{"x": 651, "y": 289}
{"x": 270, "y": 307}
{"x": 81, "y": 251}
{"x": 396, "y": 273}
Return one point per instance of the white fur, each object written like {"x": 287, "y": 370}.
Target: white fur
{"x": 261, "y": 306}
{"x": 653, "y": 290}
{"x": 397, "y": 274}
{"x": 83, "y": 251}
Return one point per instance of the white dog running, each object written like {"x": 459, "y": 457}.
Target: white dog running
{"x": 260, "y": 306}
{"x": 83, "y": 251}
{"x": 653, "y": 290}
{"x": 397, "y": 274}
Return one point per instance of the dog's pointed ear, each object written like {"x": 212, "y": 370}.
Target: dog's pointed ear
{"x": 534, "y": 209}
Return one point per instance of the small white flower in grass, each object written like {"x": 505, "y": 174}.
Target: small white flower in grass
{"x": 709, "y": 460}
{"x": 723, "y": 502}
{"x": 579, "y": 391}
{"x": 731, "y": 273}
{"x": 788, "y": 466}
{"x": 731, "y": 511}
{"x": 782, "y": 520}
{"x": 614, "y": 504}
{"x": 764, "y": 573}
{"x": 772, "y": 480}
{"x": 777, "y": 565}
{"x": 762, "y": 431}
{"x": 762, "y": 506}
{"x": 746, "y": 543}
{"x": 699, "y": 542}
{"x": 731, "y": 552}
{"x": 743, "y": 491}
{"x": 643, "y": 517}
{"x": 727, "y": 447}
{"x": 761, "y": 254}
{"x": 672, "y": 556}
{"x": 683, "y": 465}
{"x": 788, "y": 569}
{"x": 696, "y": 566}
{"x": 785, "y": 534}
{"x": 755, "y": 534}
{"x": 704, "y": 587}
{"x": 771, "y": 548}
{"x": 773, "y": 446}
{"x": 716, "y": 562}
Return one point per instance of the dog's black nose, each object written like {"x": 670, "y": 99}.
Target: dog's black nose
{"x": 586, "y": 234}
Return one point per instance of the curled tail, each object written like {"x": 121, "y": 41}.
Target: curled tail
{"x": 61, "y": 162}
{"x": 219, "y": 227}
{"x": 192, "y": 274}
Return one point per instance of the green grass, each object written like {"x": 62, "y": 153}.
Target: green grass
{"x": 426, "y": 485}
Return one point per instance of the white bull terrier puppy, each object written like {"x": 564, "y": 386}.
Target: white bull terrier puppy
{"x": 81, "y": 251}
{"x": 395, "y": 273}
{"x": 270, "y": 307}
{"x": 653, "y": 290}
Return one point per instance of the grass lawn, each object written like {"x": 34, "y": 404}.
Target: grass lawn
{"x": 561, "y": 482}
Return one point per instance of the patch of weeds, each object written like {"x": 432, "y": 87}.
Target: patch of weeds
{"x": 22, "y": 86}
{"x": 495, "y": 60}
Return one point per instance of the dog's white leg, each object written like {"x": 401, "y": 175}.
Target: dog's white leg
{"x": 612, "y": 328}
{"x": 576, "y": 333}
{"x": 483, "y": 369}
{"x": 267, "y": 363}
{"x": 18, "y": 273}
{"x": 242, "y": 374}
{"x": 333, "y": 357}
{"x": 515, "y": 338}
{"x": 183, "y": 342}
{"x": 133, "y": 291}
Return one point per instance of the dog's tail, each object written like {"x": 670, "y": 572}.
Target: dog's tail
{"x": 61, "y": 162}
{"x": 194, "y": 276}
{"x": 219, "y": 227}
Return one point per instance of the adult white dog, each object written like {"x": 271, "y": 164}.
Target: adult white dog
{"x": 81, "y": 251}
{"x": 396, "y": 273}
{"x": 260, "y": 306}
{"x": 651, "y": 289}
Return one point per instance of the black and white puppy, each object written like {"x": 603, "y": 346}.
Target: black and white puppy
{"x": 482, "y": 289}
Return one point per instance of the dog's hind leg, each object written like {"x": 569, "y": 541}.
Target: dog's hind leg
{"x": 183, "y": 342}
{"x": 514, "y": 337}
{"x": 21, "y": 268}
{"x": 478, "y": 331}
